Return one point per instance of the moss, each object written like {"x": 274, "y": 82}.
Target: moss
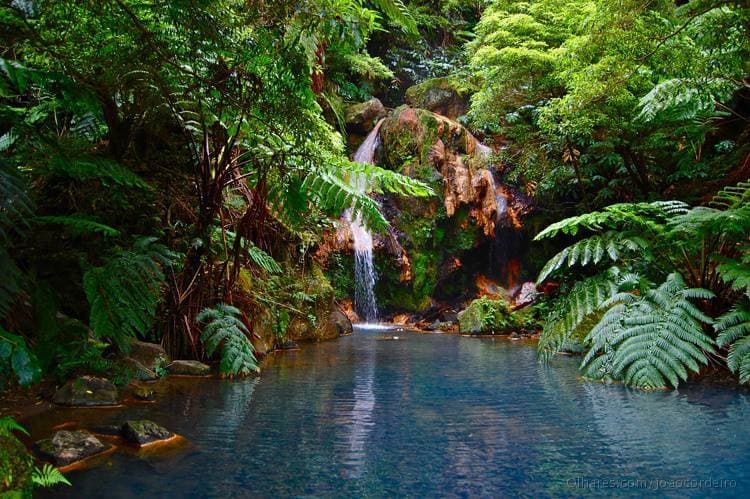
{"x": 16, "y": 465}
{"x": 485, "y": 315}
{"x": 340, "y": 274}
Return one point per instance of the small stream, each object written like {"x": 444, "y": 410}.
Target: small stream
{"x": 425, "y": 416}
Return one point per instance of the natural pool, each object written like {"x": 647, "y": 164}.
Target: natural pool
{"x": 425, "y": 416}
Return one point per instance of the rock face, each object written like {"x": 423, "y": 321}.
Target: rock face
{"x": 188, "y": 368}
{"x": 86, "y": 391}
{"x": 440, "y": 95}
{"x": 142, "y": 432}
{"x": 341, "y": 322}
{"x": 67, "y": 447}
{"x": 361, "y": 117}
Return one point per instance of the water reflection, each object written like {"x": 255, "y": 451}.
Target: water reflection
{"x": 428, "y": 415}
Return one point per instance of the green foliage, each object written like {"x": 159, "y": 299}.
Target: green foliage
{"x": 651, "y": 340}
{"x": 17, "y": 357}
{"x": 649, "y": 336}
{"x": 224, "y": 328}
{"x": 125, "y": 292}
{"x": 734, "y": 332}
{"x": 48, "y": 476}
{"x": 8, "y": 425}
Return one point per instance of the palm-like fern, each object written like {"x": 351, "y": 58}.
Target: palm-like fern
{"x": 650, "y": 340}
{"x": 124, "y": 293}
{"x": 734, "y": 332}
{"x": 225, "y": 328}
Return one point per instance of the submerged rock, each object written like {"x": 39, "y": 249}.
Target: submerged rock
{"x": 86, "y": 391}
{"x": 188, "y": 368}
{"x": 341, "y": 322}
{"x": 143, "y": 431}
{"x": 67, "y": 447}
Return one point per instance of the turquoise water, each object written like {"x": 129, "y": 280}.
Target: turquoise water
{"x": 430, "y": 415}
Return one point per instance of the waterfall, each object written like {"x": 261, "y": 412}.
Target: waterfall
{"x": 365, "y": 303}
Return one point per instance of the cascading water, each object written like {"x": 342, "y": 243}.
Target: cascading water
{"x": 365, "y": 302}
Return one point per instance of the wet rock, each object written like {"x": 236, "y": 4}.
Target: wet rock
{"x": 86, "y": 391}
{"x": 341, "y": 322}
{"x": 138, "y": 370}
{"x": 290, "y": 345}
{"x": 188, "y": 368}
{"x": 144, "y": 393}
{"x": 150, "y": 355}
{"x": 67, "y": 447}
{"x": 526, "y": 295}
{"x": 143, "y": 431}
{"x": 443, "y": 96}
{"x": 362, "y": 117}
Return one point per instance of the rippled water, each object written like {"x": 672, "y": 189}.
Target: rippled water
{"x": 424, "y": 416}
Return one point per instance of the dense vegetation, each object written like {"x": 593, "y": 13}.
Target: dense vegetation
{"x": 168, "y": 171}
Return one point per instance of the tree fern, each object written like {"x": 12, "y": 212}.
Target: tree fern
{"x": 124, "y": 293}
{"x": 651, "y": 340}
{"x": 734, "y": 332}
{"x": 224, "y": 328}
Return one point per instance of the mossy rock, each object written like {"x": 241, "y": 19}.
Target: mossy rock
{"x": 486, "y": 316}
{"x": 68, "y": 447}
{"x": 142, "y": 432}
{"x": 87, "y": 391}
{"x": 447, "y": 96}
{"x": 16, "y": 465}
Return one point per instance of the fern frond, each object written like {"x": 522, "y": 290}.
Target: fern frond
{"x": 398, "y": 13}
{"x": 86, "y": 168}
{"x": 124, "y": 293}
{"x": 594, "y": 249}
{"x": 734, "y": 332}
{"x": 225, "y": 328}
{"x": 78, "y": 225}
{"x": 652, "y": 340}
{"x": 48, "y": 476}
{"x": 575, "y": 311}
{"x": 8, "y": 425}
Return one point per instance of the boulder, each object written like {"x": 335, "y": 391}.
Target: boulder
{"x": 361, "y": 117}
{"x": 525, "y": 295}
{"x": 341, "y": 322}
{"x": 143, "y": 431}
{"x": 67, "y": 447}
{"x": 444, "y": 96}
{"x": 138, "y": 370}
{"x": 188, "y": 368}
{"x": 86, "y": 391}
{"x": 484, "y": 316}
{"x": 150, "y": 355}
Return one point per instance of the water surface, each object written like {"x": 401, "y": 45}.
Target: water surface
{"x": 425, "y": 416}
